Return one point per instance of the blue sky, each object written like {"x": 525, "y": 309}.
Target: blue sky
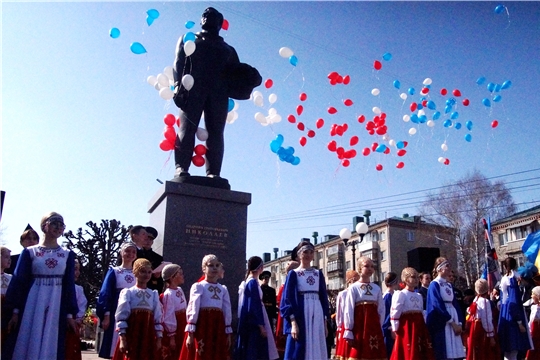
{"x": 81, "y": 126}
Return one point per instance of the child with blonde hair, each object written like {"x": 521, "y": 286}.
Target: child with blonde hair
{"x": 351, "y": 277}
{"x": 174, "y": 311}
{"x": 534, "y": 325}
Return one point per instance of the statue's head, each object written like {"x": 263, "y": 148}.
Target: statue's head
{"x": 211, "y": 20}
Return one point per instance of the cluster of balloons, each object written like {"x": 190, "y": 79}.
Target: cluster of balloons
{"x": 494, "y": 90}
{"x": 342, "y": 154}
{"x": 284, "y": 154}
{"x": 152, "y": 15}
{"x": 163, "y": 83}
{"x": 169, "y": 133}
{"x": 287, "y": 53}
{"x": 273, "y": 117}
{"x": 335, "y": 78}
{"x": 136, "y": 47}
{"x": 233, "y": 114}
{"x": 377, "y": 65}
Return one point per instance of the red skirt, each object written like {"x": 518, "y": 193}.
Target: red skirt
{"x": 368, "y": 343}
{"x": 140, "y": 336}
{"x": 168, "y": 353}
{"x": 210, "y": 339}
{"x": 340, "y": 343}
{"x": 73, "y": 345}
{"x": 412, "y": 339}
{"x": 478, "y": 347}
{"x": 535, "y": 334}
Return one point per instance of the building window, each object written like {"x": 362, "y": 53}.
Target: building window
{"x": 348, "y": 265}
{"x": 382, "y": 235}
{"x": 383, "y": 255}
{"x": 375, "y": 236}
{"x": 503, "y": 239}
{"x": 332, "y": 250}
{"x": 410, "y": 236}
{"x": 437, "y": 240}
{"x": 335, "y": 283}
{"x": 333, "y": 265}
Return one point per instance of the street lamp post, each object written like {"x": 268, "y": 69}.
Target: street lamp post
{"x": 345, "y": 235}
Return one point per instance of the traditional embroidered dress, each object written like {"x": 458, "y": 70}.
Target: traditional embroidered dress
{"x": 281, "y": 337}
{"x": 442, "y": 310}
{"x": 340, "y": 305}
{"x": 250, "y": 345}
{"x": 305, "y": 299}
{"x": 139, "y": 315}
{"x": 407, "y": 320}
{"x": 387, "y": 327}
{"x": 6, "y": 314}
{"x": 363, "y": 317}
{"x": 481, "y": 331}
{"x": 209, "y": 317}
{"x": 512, "y": 311}
{"x": 42, "y": 291}
{"x": 534, "y": 325}
{"x": 117, "y": 278}
{"x": 174, "y": 321}
{"x": 73, "y": 339}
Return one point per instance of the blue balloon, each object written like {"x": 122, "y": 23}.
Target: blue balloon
{"x": 431, "y": 105}
{"x": 293, "y": 60}
{"x": 451, "y": 102}
{"x": 436, "y": 115}
{"x": 468, "y": 137}
{"x": 457, "y": 125}
{"x": 189, "y": 24}
{"x": 447, "y": 109}
{"x": 506, "y": 84}
{"x": 274, "y": 146}
{"x": 189, "y": 36}
{"x": 400, "y": 144}
{"x": 381, "y": 148}
{"x": 486, "y": 102}
{"x": 419, "y": 106}
{"x": 497, "y": 98}
{"x": 114, "y": 33}
{"x": 454, "y": 115}
{"x": 279, "y": 138}
{"x": 423, "y": 119}
{"x": 415, "y": 119}
{"x": 469, "y": 125}
{"x": 397, "y": 84}
{"x": 447, "y": 123}
{"x": 498, "y": 87}
{"x": 387, "y": 56}
{"x": 153, "y": 14}
{"x": 231, "y": 105}
{"x": 289, "y": 150}
{"x": 411, "y": 91}
{"x": 499, "y": 9}
{"x": 137, "y": 48}
{"x": 296, "y": 161}
{"x": 480, "y": 80}
{"x": 491, "y": 87}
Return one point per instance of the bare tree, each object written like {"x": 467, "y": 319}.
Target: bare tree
{"x": 97, "y": 249}
{"x": 461, "y": 206}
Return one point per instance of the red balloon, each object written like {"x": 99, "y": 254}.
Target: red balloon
{"x": 339, "y": 79}
{"x": 340, "y": 130}
{"x": 224, "y": 26}
{"x": 303, "y": 141}
{"x": 444, "y": 91}
{"x": 446, "y": 161}
{"x": 200, "y": 149}
{"x": 400, "y": 165}
{"x": 340, "y": 151}
{"x": 333, "y": 130}
{"x": 197, "y": 160}
{"x": 169, "y": 133}
{"x": 350, "y": 154}
{"x": 348, "y": 102}
{"x": 456, "y": 92}
{"x": 401, "y": 152}
{"x": 379, "y": 167}
{"x": 366, "y": 151}
{"x": 346, "y": 80}
{"x": 371, "y": 132}
{"x": 466, "y": 102}
{"x": 424, "y": 103}
{"x": 291, "y": 119}
{"x": 311, "y": 133}
{"x": 413, "y": 106}
{"x": 345, "y": 162}
{"x": 178, "y": 122}
{"x": 387, "y": 151}
{"x": 268, "y": 83}
{"x": 320, "y": 123}
{"x": 377, "y": 65}
{"x": 354, "y": 140}
{"x": 381, "y": 130}
{"x": 332, "y": 145}
{"x": 383, "y": 116}
{"x": 374, "y": 146}
{"x": 166, "y": 145}
{"x": 370, "y": 125}
{"x": 424, "y": 91}
{"x": 300, "y": 126}
{"x": 361, "y": 119}
{"x": 169, "y": 120}
{"x": 345, "y": 127}
{"x": 299, "y": 110}
{"x": 333, "y": 75}
{"x": 303, "y": 97}
{"x": 332, "y": 110}
{"x": 494, "y": 124}
{"x": 405, "y": 143}
{"x": 333, "y": 82}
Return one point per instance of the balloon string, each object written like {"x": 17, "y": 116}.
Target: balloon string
{"x": 278, "y": 174}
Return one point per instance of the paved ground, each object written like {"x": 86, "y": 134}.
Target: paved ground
{"x": 89, "y": 355}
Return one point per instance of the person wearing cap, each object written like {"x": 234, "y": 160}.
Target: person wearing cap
{"x": 28, "y": 238}
{"x": 116, "y": 279}
{"x": 269, "y": 297}
{"x": 144, "y": 238}
{"x": 174, "y": 311}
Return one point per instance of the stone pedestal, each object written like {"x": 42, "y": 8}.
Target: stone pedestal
{"x": 193, "y": 221}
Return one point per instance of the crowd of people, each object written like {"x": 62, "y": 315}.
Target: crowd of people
{"x": 144, "y": 312}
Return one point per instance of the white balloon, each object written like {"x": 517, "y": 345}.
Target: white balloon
{"x": 152, "y": 80}
{"x": 412, "y": 131}
{"x": 230, "y": 117}
{"x": 392, "y": 142}
{"x": 235, "y": 107}
{"x": 427, "y": 81}
{"x": 202, "y": 134}
{"x": 188, "y": 81}
{"x": 166, "y": 93}
{"x": 444, "y": 147}
{"x": 272, "y": 111}
{"x": 157, "y": 86}
{"x": 375, "y": 92}
{"x": 274, "y": 119}
{"x": 421, "y": 112}
{"x": 441, "y": 160}
{"x": 260, "y": 118}
{"x": 189, "y": 47}
{"x": 285, "y": 52}
{"x": 163, "y": 80}
{"x": 430, "y": 123}
{"x": 272, "y": 98}
{"x": 256, "y": 93}
{"x": 406, "y": 118}
{"x": 403, "y": 96}
{"x": 258, "y": 100}
{"x": 376, "y": 110}
{"x": 168, "y": 71}
{"x": 385, "y": 137}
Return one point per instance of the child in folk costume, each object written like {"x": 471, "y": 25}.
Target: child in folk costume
{"x": 513, "y": 329}
{"x": 174, "y": 311}
{"x": 391, "y": 281}
{"x": 444, "y": 317}
{"x": 363, "y": 316}
{"x": 73, "y": 338}
{"x": 139, "y": 317}
{"x": 281, "y": 337}
{"x": 412, "y": 340}
{"x": 304, "y": 308}
{"x": 482, "y": 341}
{"x": 534, "y": 325}
{"x": 351, "y": 277}
{"x": 208, "y": 329}
{"x": 255, "y": 340}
